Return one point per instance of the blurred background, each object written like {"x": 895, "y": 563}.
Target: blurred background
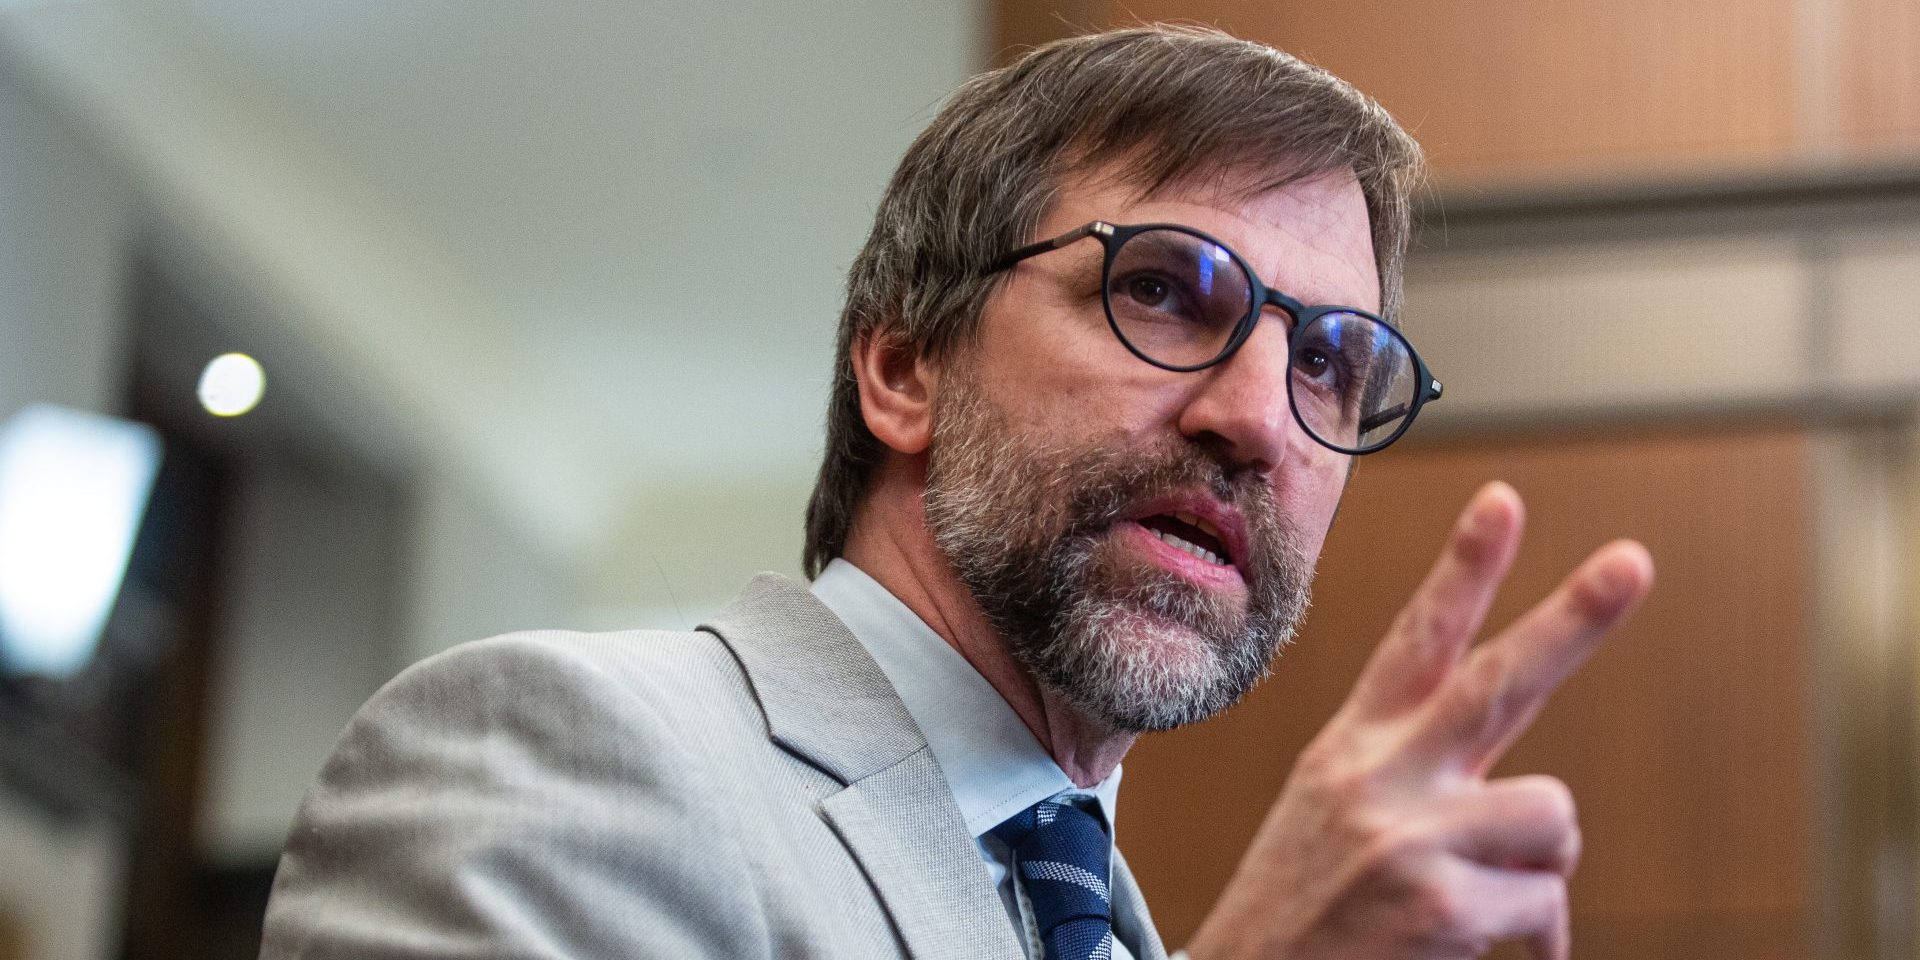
{"x": 334, "y": 333}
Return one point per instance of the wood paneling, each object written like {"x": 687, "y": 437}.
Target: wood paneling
{"x": 1686, "y": 738}
{"x": 1878, "y": 75}
{"x": 1541, "y": 93}
{"x": 1018, "y": 26}
{"x": 1502, "y": 90}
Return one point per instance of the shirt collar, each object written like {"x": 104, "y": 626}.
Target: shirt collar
{"x": 991, "y": 760}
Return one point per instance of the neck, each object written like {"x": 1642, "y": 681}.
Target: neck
{"x": 891, "y": 544}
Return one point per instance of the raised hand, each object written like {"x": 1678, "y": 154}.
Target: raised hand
{"x": 1388, "y": 841}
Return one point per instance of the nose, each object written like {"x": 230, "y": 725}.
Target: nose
{"x": 1240, "y": 406}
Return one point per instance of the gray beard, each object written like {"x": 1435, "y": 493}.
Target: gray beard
{"x": 1028, "y": 528}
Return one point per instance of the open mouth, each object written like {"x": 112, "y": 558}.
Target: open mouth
{"x": 1190, "y": 533}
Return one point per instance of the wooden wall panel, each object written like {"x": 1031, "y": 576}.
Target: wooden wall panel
{"x": 1499, "y": 91}
{"x": 1544, "y": 93}
{"x": 1018, "y": 25}
{"x": 1686, "y": 738}
{"x": 1877, "y": 74}
{"x": 1502, "y": 90}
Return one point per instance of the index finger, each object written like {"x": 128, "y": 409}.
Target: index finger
{"x": 1438, "y": 623}
{"x": 1489, "y": 701}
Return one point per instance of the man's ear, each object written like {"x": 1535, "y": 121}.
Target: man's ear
{"x": 897, "y": 387}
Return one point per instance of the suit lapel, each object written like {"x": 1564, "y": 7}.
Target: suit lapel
{"x": 824, "y": 698}
{"x": 828, "y": 703}
{"x": 929, "y": 873}
{"x": 1130, "y": 920}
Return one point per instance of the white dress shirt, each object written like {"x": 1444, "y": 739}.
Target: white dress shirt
{"x": 990, "y": 758}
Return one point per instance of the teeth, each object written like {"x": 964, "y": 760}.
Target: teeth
{"x": 1189, "y": 546}
{"x": 1200, "y": 522}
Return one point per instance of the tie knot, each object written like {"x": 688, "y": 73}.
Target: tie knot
{"x": 1058, "y": 831}
{"x": 1062, "y": 854}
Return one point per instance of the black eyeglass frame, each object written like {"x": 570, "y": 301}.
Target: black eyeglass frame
{"x": 1112, "y": 236}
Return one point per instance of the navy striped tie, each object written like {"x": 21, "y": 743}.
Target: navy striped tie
{"x": 1061, "y": 853}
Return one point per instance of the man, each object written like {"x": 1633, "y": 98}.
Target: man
{"x": 1089, "y": 432}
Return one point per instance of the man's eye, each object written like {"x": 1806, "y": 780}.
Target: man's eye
{"x": 1315, "y": 364}
{"x": 1154, "y": 297}
{"x": 1149, "y": 291}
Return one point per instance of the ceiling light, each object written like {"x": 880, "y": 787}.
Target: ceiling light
{"x": 232, "y": 385}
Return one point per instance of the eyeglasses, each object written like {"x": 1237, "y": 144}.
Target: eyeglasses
{"x": 1183, "y": 301}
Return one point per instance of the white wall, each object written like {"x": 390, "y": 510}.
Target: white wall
{"x": 473, "y": 576}
{"x": 64, "y": 227}
{"x": 689, "y": 549}
{"x": 311, "y": 632}
{"x": 65, "y": 222}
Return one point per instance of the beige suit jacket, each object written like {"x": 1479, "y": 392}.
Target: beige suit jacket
{"x": 753, "y": 788}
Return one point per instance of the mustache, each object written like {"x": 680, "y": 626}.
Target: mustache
{"x": 1111, "y": 488}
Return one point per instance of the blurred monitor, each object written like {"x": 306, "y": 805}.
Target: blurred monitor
{"x": 79, "y": 646}
{"x": 73, "y": 488}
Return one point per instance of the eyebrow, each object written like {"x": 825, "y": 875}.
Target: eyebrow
{"x": 1086, "y": 269}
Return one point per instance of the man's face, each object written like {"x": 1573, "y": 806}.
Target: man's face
{"x": 1070, "y": 482}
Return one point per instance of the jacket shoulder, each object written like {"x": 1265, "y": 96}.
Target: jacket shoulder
{"x": 503, "y": 795}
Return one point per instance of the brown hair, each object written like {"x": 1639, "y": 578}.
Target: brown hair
{"x": 1173, "y": 103}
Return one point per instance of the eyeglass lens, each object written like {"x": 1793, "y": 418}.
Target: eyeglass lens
{"x": 1178, "y": 299}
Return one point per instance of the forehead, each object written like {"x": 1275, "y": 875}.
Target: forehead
{"x": 1311, "y": 238}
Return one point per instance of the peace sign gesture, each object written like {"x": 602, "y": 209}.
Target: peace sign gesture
{"x": 1388, "y": 841}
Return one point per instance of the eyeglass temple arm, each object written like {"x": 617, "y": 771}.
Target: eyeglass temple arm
{"x": 1382, "y": 418}
{"x": 1035, "y": 249}
{"x": 1385, "y": 417}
